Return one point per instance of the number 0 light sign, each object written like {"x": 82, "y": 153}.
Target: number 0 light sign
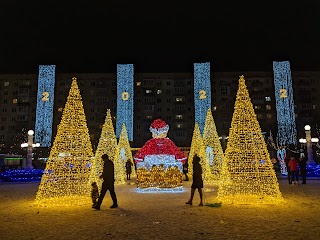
{"x": 202, "y": 92}
{"x": 45, "y": 97}
{"x": 125, "y": 99}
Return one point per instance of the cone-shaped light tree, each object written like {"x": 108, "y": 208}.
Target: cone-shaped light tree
{"x": 65, "y": 178}
{"x": 214, "y": 152}
{"x": 107, "y": 145}
{"x": 197, "y": 147}
{"x": 125, "y": 149}
{"x": 247, "y": 173}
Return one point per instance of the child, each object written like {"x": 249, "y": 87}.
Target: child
{"x": 94, "y": 193}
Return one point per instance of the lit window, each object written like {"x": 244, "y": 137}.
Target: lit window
{"x": 60, "y": 109}
{"x": 257, "y": 107}
{"x": 268, "y": 107}
{"x": 268, "y": 99}
{"x": 178, "y": 99}
{"x": 15, "y": 100}
{"x": 138, "y": 84}
{"x": 148, "y": 91}
{"x": 6, "y": 84}
{"x": 179, "y": 125}
{"x": 269, "y": 115}
{"x": 159, "y": 91}
{"x": 215, "y": 108}
{"x": 179, "y": 116}
{"x": 148, "y": 117}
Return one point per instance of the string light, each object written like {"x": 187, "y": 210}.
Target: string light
{"x": 198, "y": 147}
{"x": 247, "y": 172}
{"x": 287, "y": 132}
{"x": 107, "y": 145}
{"x": 125, "y": 99}
{"x": 125, "y": 149}
{"x": 65, "y": 178}
{"x": 213, "y": 145}
{"x": 45, "y": 101}
{"x": 202, "y": 92}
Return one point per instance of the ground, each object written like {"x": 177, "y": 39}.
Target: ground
{"x": 161, "y": 216}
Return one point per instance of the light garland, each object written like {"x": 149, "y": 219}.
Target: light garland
{"x": 45, "y": 101}
{"x": 65, "y": 178}
{"x": 125, "y": 149}
{"x": 213, "y": 146}
{"x": 125, "y": 99}
{"x": 287, "y": 132}
{"x": 107, "y": 145}
{"x": 281, "y": 155}
{"x": 202, "y": 92}
{"x": 197, "y": 146}
{"x": 247, "y": 172}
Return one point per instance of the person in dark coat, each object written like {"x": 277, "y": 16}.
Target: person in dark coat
{"x": 185, "y": 171}
{"x": 197, "y": 182}
{"x": 108, "y": 183}
{"x": 303, "y": 169}
{"x": 128, "y": 169}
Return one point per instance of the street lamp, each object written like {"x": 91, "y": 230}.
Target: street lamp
{"x": 308, "y": 141}
{"x": 29, "y": 145}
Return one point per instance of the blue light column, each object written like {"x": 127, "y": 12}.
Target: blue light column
{"x": 125, "y": 99}
{"x": 45, "y": 100}
{"x": 287, "y": 133}
{"x": 202, "y": 92}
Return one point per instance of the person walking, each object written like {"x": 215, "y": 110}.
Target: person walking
{"x": 108, "y": 183}
{"x": 303, "y": 169}
{"x": 197, "y": 182}
{"x": 185, "y": 171}
{"x": 294, "y": 169}
{"x": 128, "y": 169}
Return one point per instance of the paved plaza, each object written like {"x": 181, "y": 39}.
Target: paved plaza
{"x": 161, "y": 216}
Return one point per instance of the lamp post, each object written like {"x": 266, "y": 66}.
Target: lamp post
{"x": 308, "y": 141}
{"x": 29, "y": 145}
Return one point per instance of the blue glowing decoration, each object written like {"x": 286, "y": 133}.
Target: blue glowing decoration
{"x": 202, "y": 92}
{"x": 281, "y": 155}
{"x": 45, "y": 100}
{"x": 22, "y": 175}
{"x": 287, "y": 132}
{"x": 210, "y": 155}
{"x": 125, "y": 99}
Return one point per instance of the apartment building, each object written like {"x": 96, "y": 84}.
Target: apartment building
{"x": 169, "y": 96}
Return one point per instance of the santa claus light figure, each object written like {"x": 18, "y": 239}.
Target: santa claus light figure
{"x": 159, "y": 162}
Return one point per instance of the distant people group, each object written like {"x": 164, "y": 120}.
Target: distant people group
{"x": 296, "y": 168}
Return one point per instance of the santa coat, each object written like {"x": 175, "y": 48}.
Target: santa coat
{"x": 160, "y": 146}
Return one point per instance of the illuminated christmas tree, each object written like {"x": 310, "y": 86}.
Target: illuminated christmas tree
{"x": 125, "y": 149}
{"x": 107, "y": 145}
{"x": 197, "y": 146}
{"x": 247, "y": 173}
{"x": 65, "y": 178}
{"x": 214, "y": 152}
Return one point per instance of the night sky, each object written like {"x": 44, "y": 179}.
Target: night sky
{"x": 158, "y": 36}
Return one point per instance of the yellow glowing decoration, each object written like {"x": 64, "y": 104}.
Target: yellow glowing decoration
{"x": 125, "y": 96}
{"x": 283, "y": 93}
{"x": 107, "y": 145}
{"x": 212, "y": 143}
{"x": 45, "y": 96}
{"x": 202, "y": 94}
{"x": 125, "y": 149}
{"x": 197, "y": 146}
{"x": 65, "y": 179}
{"x": 247, "y": 172}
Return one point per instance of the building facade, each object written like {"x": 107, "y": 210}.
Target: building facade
{"x": 156, "y": 95}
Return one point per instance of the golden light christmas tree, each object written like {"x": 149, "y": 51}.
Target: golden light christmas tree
{"x": 107, "y": 145}
{"x": 247, "y": 173}
{"x": 214, "y": 152}
{"x": 125, "y": 149}
{"x": 197, "y": 147}
{"x": 65, "y": 178}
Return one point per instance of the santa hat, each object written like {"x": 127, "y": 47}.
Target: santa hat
{"x": 158, "y": 126}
